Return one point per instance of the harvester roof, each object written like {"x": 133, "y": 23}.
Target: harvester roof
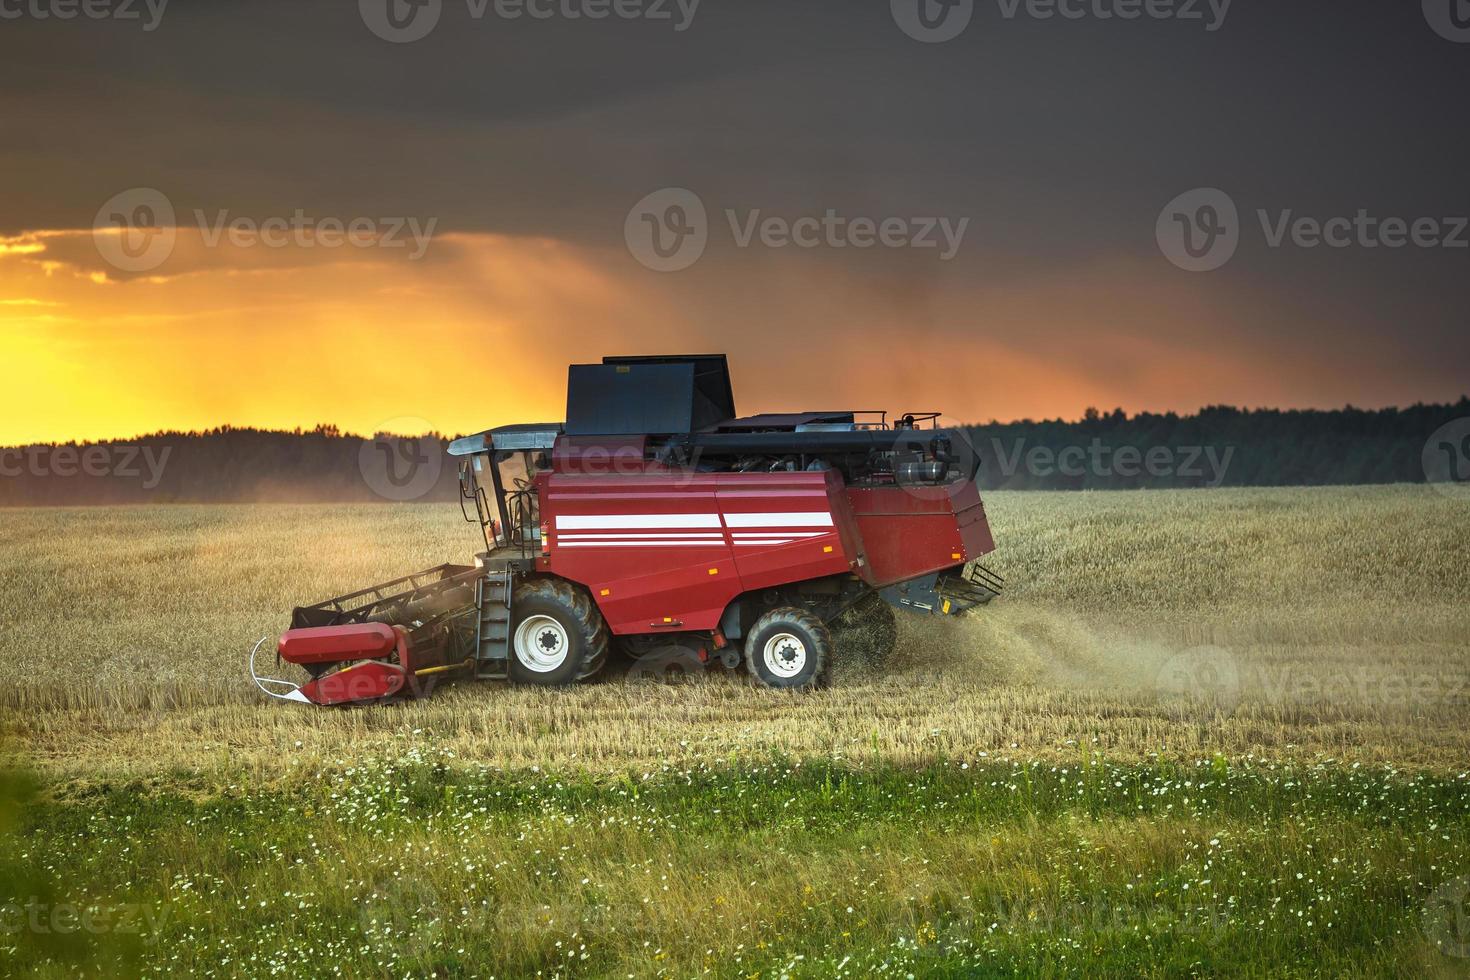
{"x": 661, "y": 394}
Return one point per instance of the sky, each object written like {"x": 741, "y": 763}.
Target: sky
{"x": 1076, "y": 209}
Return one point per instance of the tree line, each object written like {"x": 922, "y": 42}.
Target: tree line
{"x": 1217, "y": 446}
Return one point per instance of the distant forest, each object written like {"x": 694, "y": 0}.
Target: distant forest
{"x": 1219, "y": 446}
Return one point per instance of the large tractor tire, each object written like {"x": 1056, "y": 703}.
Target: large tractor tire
{"x": 866, "y": 633}
{"x": 557, "y": 636}
{"x": 789, "y": 648}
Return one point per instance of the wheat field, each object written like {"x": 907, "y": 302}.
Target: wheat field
{"x": 1339, "y": 617}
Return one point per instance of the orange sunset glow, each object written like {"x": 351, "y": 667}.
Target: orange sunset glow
{"x": 479, "y": 332}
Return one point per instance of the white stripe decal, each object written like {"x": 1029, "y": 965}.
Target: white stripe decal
{"x": 631, "y": 536}
{"x": 799, "y": 518}
{"x": 765, "y": 541}
{"x": 640, "y": 544}
{"x": 737, "y": 535}
{"x": 606, "y": 522}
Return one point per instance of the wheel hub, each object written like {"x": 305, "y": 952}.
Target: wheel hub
{"x": 541, "y": 644}
{"x": 785, "y": 655}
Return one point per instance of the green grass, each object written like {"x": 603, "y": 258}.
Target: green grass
{"x": 421, "y": 864}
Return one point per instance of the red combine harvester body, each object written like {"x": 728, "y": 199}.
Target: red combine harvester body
{"x": 656, "y": 522}
{"x": 663, "y": 551}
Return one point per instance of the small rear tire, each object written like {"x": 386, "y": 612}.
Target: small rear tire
{"x": 557, "y": 636}
{"x": 789, "y": 649}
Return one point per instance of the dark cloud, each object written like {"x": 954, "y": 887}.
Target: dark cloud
{"x": 1060, "y": 140}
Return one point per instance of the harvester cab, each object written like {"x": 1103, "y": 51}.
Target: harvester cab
{"x": 655, "y": 522}
{"x": 497, "y": 478}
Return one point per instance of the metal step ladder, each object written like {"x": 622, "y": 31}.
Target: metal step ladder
{"x": 492, "y": 639}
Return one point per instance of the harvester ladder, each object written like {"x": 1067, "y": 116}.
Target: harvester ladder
{"x": 492, "y": 640}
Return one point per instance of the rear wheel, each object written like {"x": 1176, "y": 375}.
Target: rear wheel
{"x": 557, "y": 636}
{"x": 789, "y": 648}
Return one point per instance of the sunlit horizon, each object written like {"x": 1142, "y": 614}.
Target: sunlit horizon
{"x": 480, "y": 331}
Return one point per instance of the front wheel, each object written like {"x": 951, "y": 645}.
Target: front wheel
{"x": 557, "y": 636}
{"x": 789, "y": 648}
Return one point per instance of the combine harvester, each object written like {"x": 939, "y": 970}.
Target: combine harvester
{"x": 656, "y": 521}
